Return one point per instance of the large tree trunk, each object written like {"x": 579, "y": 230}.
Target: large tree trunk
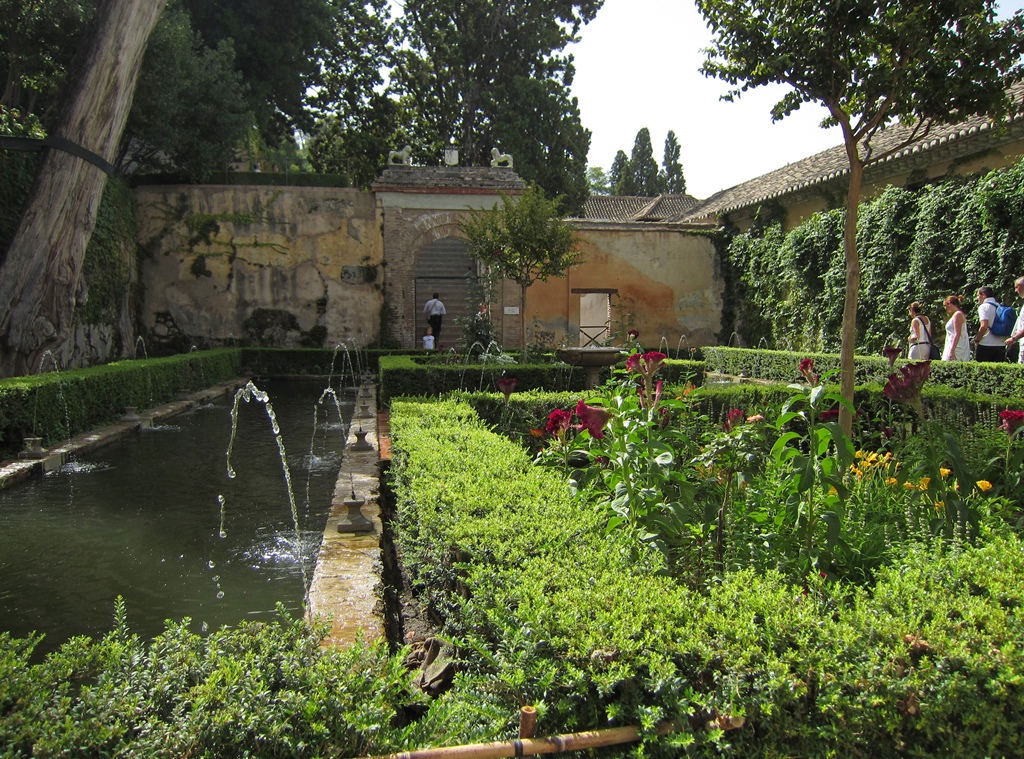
{"x": 849, "y": 334}
{"x": 40, "y": 278}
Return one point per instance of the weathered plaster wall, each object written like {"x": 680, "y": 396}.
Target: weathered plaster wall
{"x": 667, "y": 281}
{"x": 267, "y": 265}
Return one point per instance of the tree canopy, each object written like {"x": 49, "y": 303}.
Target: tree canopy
{"x": 672, "y": 181}
{"x": 870, "y": 64}
{"x": 484, "y": 74}
{"x": 523, "y": 239}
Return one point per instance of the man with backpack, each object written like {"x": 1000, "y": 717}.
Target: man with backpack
{"x": 996, "y": 323}
{"x": 1018, "y": 326}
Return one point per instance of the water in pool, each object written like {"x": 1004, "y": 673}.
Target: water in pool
{"x": 155, "y": 518}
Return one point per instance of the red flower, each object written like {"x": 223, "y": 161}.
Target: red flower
{"x": 807, "y": 370}
{"x": 1012, "y": 421}
{"x": 558, "y": 422}
{"x": 594, "y": 418}
{"x": 828, "y": 416}
{"x": 905, "y": 385}
{"x": 734, "y": 417}
{"x": 506, "y": 385}
{"x": 633, "y": 334}
{"x": 646, "y": 364}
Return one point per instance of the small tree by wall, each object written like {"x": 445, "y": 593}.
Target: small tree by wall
{"x": 523, "y": 239}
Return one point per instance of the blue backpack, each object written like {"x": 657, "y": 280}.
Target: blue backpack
{"x": 1002, "y": 325}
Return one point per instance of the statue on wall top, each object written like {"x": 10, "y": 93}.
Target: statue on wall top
{"x": 500, "y": 159}
{"x": 400, "y": 157}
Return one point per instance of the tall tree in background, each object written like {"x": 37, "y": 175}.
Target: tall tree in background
{"x": 488, "y": 74}
{"x": 523, "y": 239}
{"x": 41, "y": 275}
{"x": 598, "y": 181}
{"x": 277, "y": 51}
{"x": 672, "y": 180}
{"x": 620, "y": 177}
{"x": 191, "y": 110}
{"x": 870, "y": 64}
{"x": 643, "y": 167}
{"x": 357, "y": 120}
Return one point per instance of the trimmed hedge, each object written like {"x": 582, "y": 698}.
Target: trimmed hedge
{"x": 547, "y": 610}
{"x": 59, "y": 405}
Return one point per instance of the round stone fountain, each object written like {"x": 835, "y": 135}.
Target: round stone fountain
{"x": 592, "y": 358}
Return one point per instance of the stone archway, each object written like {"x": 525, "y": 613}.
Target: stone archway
{"x": 444, "y": 267}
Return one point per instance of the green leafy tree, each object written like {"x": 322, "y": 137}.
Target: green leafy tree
{"x": 523, "y": 239}
{"x": 488, "y": 74}
{"x": 599, "y": 181}
{"x": 870, "y": 64}
{"x": 358, "y": 122}
{"x": 278, "y": 49}
{"x": 672, "y": 179}
{"x": 643, "y": 167}
{"x": 38, "y": 39}
{"x": 191, "y": 111}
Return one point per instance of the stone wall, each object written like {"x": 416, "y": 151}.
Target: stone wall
{"x": 260, "y": 265}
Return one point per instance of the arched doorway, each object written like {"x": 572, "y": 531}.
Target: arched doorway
{"x": 445, "y": 268}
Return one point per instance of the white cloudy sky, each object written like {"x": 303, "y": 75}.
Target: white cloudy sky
{"x": 637, "y": 66}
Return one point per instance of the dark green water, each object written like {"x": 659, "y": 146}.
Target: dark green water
{"x": 142, "y": 519}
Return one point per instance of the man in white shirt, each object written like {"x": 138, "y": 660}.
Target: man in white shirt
{"x": 434, "y": 311}
{"x": 1018, "y": 326}
{"x": 988, "y": 347}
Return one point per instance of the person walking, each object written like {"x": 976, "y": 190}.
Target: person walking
{"x": 988, "y": 347}
{"x": 1017, "y": 334}
{"x": 920, "y": 334}
{"x": 434, "y": 309}
{"x": 958, "y": 344}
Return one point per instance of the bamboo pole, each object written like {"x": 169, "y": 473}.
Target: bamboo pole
{"x": 527, "y": 721}
{"x": 531, "y": 746}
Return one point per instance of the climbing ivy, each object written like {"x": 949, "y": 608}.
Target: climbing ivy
{"x": 110, "y": 257}
{"x": 921, "y": 245}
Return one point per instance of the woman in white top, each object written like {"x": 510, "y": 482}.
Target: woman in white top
{"x": 920, "y": 331}
{"x": 958, "y": 343}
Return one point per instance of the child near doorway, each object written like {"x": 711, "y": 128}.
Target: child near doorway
{"x": 428, "y": 339}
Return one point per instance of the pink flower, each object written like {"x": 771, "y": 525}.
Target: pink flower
{"x": 506, "y": 385}
{"x": 558, "y": 422}
{"x": 594, "y": 418}
{"x": 905, "y": 385}
{"x": 646, "y": 365}
{"x": 807, "y": 370}
{"x": 1012, "y": 421}
{"x": 734, "y": 417}
{"x": 892, "y": 353}
{"x": 755, "y": 418}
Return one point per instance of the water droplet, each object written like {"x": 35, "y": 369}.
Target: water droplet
{"x": 223, "y": 534}
{"x": 210, "y": 564}
{"x": 220, "y": 594}
{"x": 216, "y": 578}
{"x": 204, "y": 628}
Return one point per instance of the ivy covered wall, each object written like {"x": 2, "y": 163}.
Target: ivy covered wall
{"x": 786, "y": 290}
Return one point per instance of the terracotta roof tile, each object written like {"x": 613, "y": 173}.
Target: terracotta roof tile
{"x": 634, "y": 208}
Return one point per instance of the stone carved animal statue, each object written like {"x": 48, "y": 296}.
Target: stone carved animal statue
{"x": 400, "y": 157}
{"x": 500, "y": 159}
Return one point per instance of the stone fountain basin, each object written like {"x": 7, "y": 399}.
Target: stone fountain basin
{"x": 590, "y": 356}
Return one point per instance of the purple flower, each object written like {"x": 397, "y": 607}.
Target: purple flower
{"x": 892, "y": 353}
{"x": 829, "y": 416}
{"x": 594, "y": 418}
{"x": 905, "y": 385}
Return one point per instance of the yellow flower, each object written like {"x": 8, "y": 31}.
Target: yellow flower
{"x": 857, "y": 471}
{"x": 923, "y": 484}
{"x": 944, "y": 472}
{"x": 909, "y": 485}
{"x": 984, "y": 485}
{"x": 891, "y": 481}
{"x": 940, "y": 505}
{"x": 859, "y": 454}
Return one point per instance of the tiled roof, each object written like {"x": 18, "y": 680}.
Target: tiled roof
{"x": 944, "y": 142}
{"x": 403, "y": 178}
{"x": 634, "y": 208}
